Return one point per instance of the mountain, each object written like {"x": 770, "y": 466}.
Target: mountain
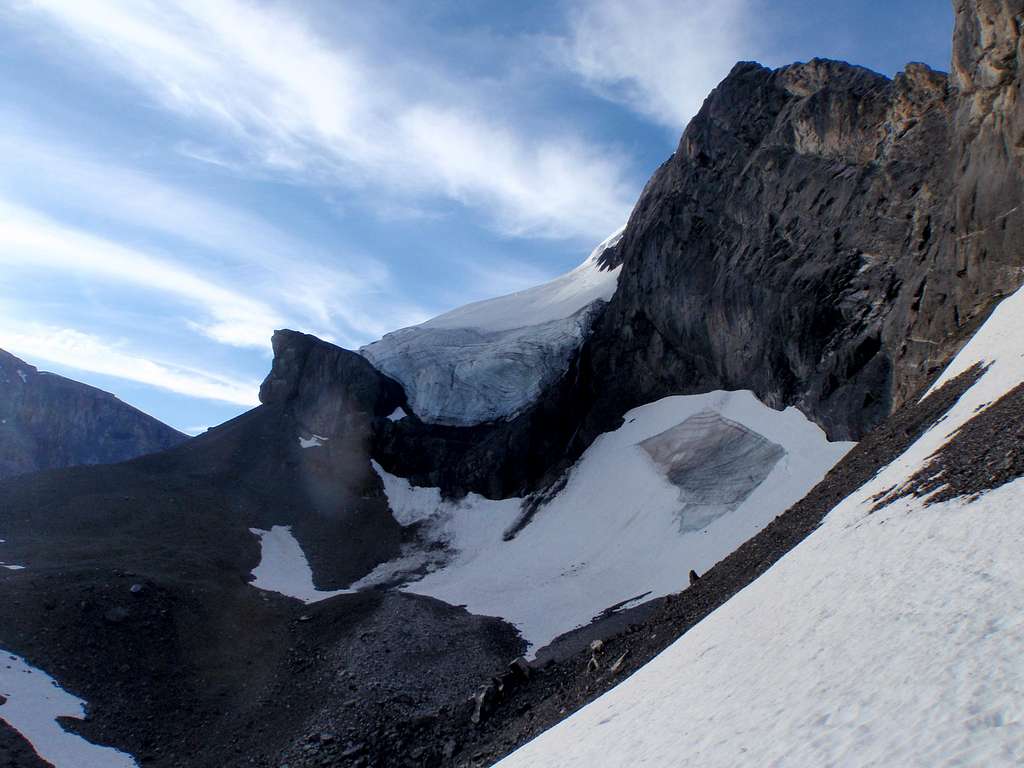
{"x": 48, "y": 421}
{"x": 343, "y": 574}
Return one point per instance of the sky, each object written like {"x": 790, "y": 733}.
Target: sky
{"x": 178, "y": 178}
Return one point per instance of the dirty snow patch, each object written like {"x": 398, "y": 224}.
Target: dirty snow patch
{"x": 33, "y": 703}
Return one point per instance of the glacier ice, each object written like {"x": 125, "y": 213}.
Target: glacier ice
{"x": 489, "y": 360}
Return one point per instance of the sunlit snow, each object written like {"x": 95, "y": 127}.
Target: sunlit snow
{"x": 490, "y": 359}
{"x": 885, "y": 638}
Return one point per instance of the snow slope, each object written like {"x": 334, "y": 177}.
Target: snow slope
{"x": 490, "y": 359}
{"x": 33, "y": 703}
{"x": 894, "y": 638}
{"x": 680, "y": 485}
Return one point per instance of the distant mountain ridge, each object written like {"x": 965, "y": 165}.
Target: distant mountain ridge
{"x": 48, "y": 422}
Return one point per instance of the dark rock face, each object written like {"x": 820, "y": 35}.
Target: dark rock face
{"x": 328, "y": 389}
{"x": 47, "y": 421}
{"x": 823, "y": 236}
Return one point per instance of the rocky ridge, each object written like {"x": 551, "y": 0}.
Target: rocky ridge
{"x": 48, "y": 421}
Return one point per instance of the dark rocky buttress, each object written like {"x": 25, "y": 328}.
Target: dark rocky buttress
{"x": 825, "y": 236}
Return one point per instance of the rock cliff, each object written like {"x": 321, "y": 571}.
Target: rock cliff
{"x": 823, "y": 235}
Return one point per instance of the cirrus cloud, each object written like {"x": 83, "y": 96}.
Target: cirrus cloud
{"x": 289, "y": 100}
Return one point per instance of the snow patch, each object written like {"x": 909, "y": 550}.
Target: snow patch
{"x": 33, "y": 703}
{"x": 21, "y": 374}
{"x": 8, "y": 566}
{"x": 897, "y": 642}
{"x": 621, "y": 527}
{"x": 283, "y": 567}
{"x": 489, "y": 360}
{"x": 398, "y": 414}
{"x": 316, "y": 441}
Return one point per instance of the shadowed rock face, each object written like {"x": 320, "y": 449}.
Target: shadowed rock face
{"x": 825, "y": 236}
{"x": 47, "y": 422}
{"x": 716, "y": 464}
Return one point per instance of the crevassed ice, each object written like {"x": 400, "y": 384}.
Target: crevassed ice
{"x": 489, "y": 360}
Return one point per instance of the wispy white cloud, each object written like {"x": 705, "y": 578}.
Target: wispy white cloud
{"x": 285, "y": 280}
{"x": 85, "y": 352}
{"x": 659, "y": 57}
{"x": 288, "y": 99}
{"x": 34, "y": 243}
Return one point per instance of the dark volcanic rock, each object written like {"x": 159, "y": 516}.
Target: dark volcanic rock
{"x": 47, "y": 421}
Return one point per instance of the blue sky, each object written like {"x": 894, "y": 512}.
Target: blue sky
{"x": 180, "y": 177}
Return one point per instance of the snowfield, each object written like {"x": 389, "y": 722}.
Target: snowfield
{"x": 33, "y": 703}
{"x": 894, "y": 638}
{"x": 489, "y": 360}
{"x": 680, "y": 485}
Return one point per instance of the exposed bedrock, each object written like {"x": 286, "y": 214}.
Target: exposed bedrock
{"x": 823, "y": 235}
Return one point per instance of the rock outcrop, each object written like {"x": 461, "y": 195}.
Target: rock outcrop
{"x": 48, "y": 421}
{"x": 823, "y": 235}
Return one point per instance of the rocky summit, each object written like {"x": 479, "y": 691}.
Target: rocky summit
{"x": 762, "y": 446}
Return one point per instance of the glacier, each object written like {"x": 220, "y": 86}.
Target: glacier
{"x": 491, "y": 359}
